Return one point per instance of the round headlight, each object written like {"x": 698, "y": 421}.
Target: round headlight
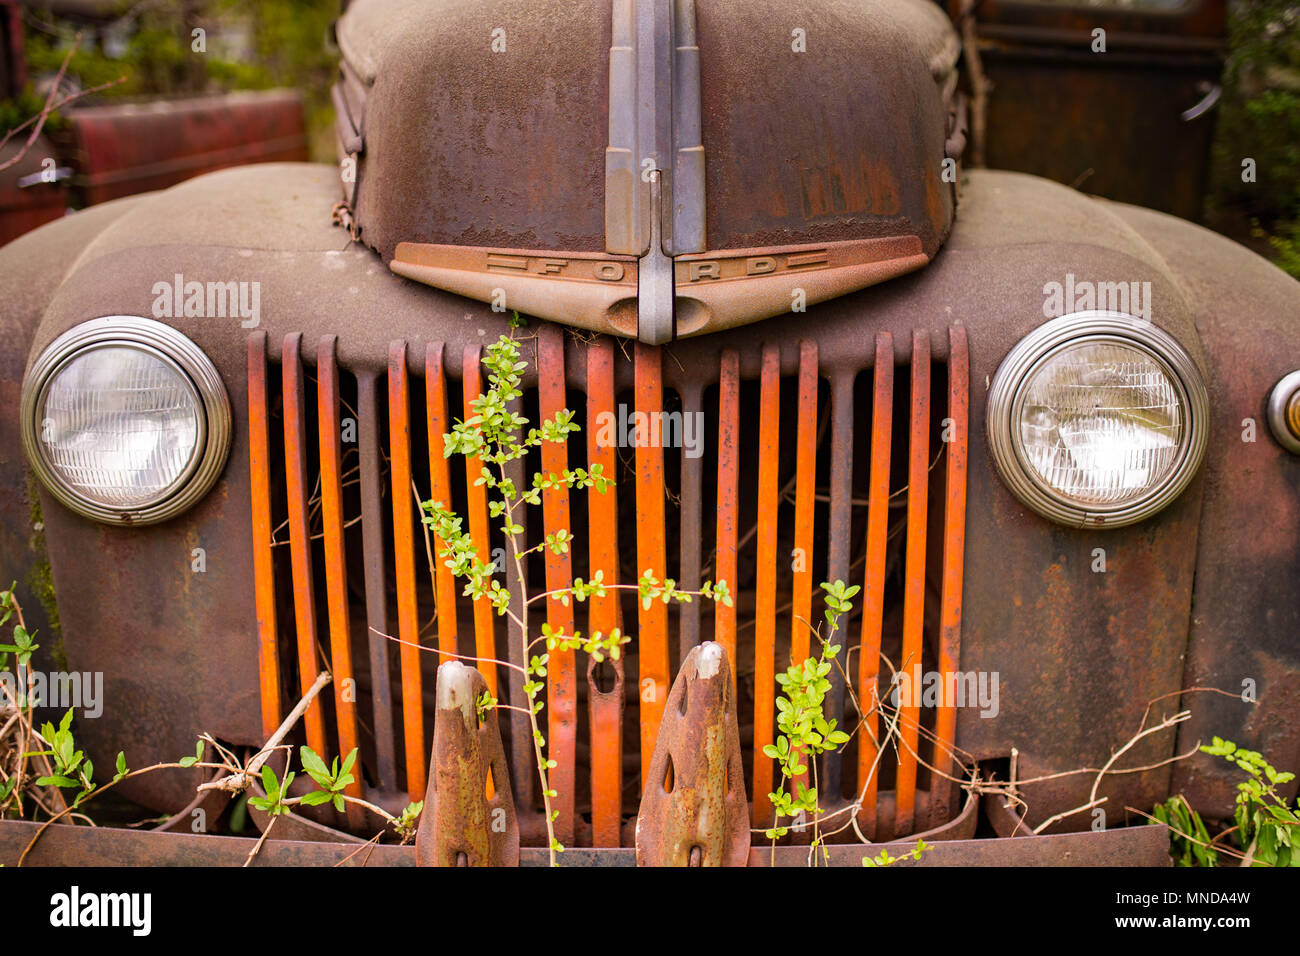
{"x": 125, "y": 420}
{"x": 1097, "y": 418}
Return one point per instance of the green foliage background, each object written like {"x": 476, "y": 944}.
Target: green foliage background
{"x": 282, "y": 43}
{"x": 1259, "y": 118}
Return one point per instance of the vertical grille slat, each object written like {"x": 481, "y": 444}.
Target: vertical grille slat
{"x": 725, "y": 560}
{"x": 688, "y": 573}
{"x": 439, "y": 424}
{"x": 769, "y": 460}
{"x": 373, "y": 544}
{"x": 651, "y": 553}
{"x": 331, "y": 500}
{"x": 408, "y": 617}
{"x": 605, "y": 707}
{"x": 523, "y": 768}
{"x": 561, "y": 677}
{"x": 873, "y": 585}
{"x": 484, "y": 627}
{"x": 918, "y": 477}
{"x": 954, "y": 546}
{"x": 259, "y": 469}
{"x": 805, "y": 495}
{"x": 841, "y": 534}
{"x": 304, "y": 593}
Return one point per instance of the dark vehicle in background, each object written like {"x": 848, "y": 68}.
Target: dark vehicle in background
{"x": 1055, "y": 440}
{"x": 106, "y": 151}
{"x": 1114, "y": 99}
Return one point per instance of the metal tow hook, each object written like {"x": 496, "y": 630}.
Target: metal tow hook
{"x": 693, "y": 810}
{"x": 469, "y": 813}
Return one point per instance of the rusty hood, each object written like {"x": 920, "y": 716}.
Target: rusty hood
{"x": 649, "y": 168}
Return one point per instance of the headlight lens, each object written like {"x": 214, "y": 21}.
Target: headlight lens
{"x": 1097, "y": 418}
{"x": 125, "y": 420}
{"x": 1100, "y": 423}
{"x": 120, "y": 425}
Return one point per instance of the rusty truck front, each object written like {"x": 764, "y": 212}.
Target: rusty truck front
{"x": 806, "y": 354}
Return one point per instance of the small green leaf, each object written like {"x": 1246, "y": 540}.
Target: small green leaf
{"x": 269, "y": 782}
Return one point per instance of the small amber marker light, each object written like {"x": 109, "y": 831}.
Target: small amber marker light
{"x": 1284, "y": 412}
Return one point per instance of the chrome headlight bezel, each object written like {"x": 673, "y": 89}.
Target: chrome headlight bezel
{"x": 1006, "y": 394}
{"x": 176, "y": 350}
{"x": 1284, "y": 412}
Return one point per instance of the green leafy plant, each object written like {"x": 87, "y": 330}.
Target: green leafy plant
{"x": 883, "y": 858}
{"x": 332, "y": 780}
{"x": 804, "y": 730}
{"x": 61, "y": 780}
{"x": 198, "y": 755}
{"x": 1189, "y": 840}
{"x": 277, "y": 791}
{"x": 22, "y": 647}
{"x": 408, "y": 820}
{"x": 71, "y": 768}
{"x": 497, "y": 436}
{"x": 1265, "y": 821}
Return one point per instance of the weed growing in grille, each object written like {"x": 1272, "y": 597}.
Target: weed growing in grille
{"x": 497, "y": 436}
{"x": 883, "y": 858}
{"x": 1189, "y": 840}
{"x": 43, "y": 773}
{"x": 1265, "y": 820}
{"x": 805, "y": 731}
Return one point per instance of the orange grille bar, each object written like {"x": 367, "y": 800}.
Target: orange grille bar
{"x": 914, "y": 592}
{"x": 804, "y": 495}
{"x": 439, "y": 424}
{"x": 724, "y": 626}
{"x": 259, "y": 474}
{"x": 873, "y": 587}
{"x": 954, "y": 546}
{"x": 484, "y": 627}
{"x": 304, "y": 594}
{"x": 769, "y": 461}
{"x": 408, "y": 618}
{"x": 336, "y": 587}
{"x": 651, "y": 552}
{"x": 561, "y": 674}
{"x": 605, "y": 708}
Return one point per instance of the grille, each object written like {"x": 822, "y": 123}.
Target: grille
{"x": 808, "y": 473}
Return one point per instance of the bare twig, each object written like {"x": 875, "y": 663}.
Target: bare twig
{"x": 260, "y": 840}
{"x": 1093, "y": 799}
{"x": 371, "y": 844}
{"x": 1191, "y": 839}
{"x": 52, "y": 103}
{"x": 1057, "y": 817}
{"x": 237, "y": 782}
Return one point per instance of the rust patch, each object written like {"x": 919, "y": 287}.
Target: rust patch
{"x": 461, "y": 825}
{"x": 693, "y": 810}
